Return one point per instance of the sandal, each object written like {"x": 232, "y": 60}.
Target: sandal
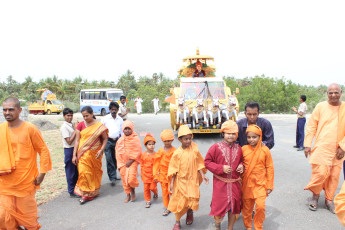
{"x": 217, "y": 226}
{"x": 155, "y": 196}
{"x": 148, "y": 204}
{"x": 330, "y": 206}
{"x": 82, "y": 201}
{"x": 190, "y": 217}
{"x": 166, "y": 212}
{"x": 176, "y": 227}
{"x": 314, "y": 202}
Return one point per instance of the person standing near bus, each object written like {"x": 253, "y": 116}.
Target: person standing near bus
{"x": 114, "y": 124}
{"x": 123, "y": 110}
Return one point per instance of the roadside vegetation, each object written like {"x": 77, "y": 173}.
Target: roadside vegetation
{"x": 275, "y": 95}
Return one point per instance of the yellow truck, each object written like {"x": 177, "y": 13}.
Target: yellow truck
{"x": 202, "y": 101}
{"x": 48, "y": 104}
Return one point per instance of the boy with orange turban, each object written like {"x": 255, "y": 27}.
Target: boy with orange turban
{"x": 186, "y": 172}
{"x": 128, "y": 152}
{"x": 225, "y": 161}
{"x": 146, "y": 162}
{"x": 161, "y": 164}
{"x": 257, "y": 179}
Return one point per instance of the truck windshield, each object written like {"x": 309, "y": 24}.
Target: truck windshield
{"x": 194, "y": 90}
{"x": 57, "y": 102}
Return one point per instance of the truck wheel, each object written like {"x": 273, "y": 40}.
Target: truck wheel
{"x": 49, "y": 112}
{"x": 58, "y": 113}
{"x": 103, "y": 113}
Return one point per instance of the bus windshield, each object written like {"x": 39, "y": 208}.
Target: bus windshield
{"x": 194, "y": 90}
{"x": 114, "y": 96}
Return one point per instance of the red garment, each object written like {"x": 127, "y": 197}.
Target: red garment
{"x": 226, "y": 196}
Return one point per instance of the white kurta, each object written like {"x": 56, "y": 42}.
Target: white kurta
{"x": 138, "y": 104}
{"x": 155, "y": 105}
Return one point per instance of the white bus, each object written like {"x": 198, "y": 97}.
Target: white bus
{"x": 99, "y": 99}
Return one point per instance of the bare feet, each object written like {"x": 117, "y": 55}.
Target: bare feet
{"x": 133, "y": 197}
{"x": 128, "y": 198}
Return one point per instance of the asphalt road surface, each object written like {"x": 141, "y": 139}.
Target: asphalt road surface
{"x": 286, "y": 207}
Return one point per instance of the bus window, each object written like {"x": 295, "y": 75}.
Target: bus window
{"x": 82, "y": 95}
{"x": 87, "y": 95}
{"x": 97, "y": 95}
{"x": 103, "y": 95}
{"x": 92, "y": 95}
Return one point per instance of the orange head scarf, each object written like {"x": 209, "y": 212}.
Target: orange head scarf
{"x": 183, "y": 131}
{"x": 229, "y": 127}
{"x": 257, "y": 130}
{"x": 149, "y": 137}
{"x": 167, "y": 135}
{"x": 128, "y": 145}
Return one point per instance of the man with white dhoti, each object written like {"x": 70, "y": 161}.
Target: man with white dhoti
{"x": 138, "y": 101}
{"x": 155, "y": 102}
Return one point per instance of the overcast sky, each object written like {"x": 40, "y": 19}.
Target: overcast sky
{"x": 304, "y": 41}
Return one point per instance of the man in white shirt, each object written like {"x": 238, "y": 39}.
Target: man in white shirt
{"x": 68, "y": 138}
{"x": 155, "y": 102}
{"x": 138, "y": 101}
{"x": 123, "y": 111}
{"x": 114, "y": 124}
{"x": 301, "y": 119}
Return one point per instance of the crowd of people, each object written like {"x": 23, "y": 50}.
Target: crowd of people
{"x": 241, "y": 164}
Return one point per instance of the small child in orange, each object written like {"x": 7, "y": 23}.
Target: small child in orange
{"x": 161, "y": 165}
{"x": 146, "y": 162}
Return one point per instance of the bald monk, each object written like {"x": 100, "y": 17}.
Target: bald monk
{"x": 257, "y": 179}
{"x": 186, "y": 172}
{"x": 161, "y": 164}
{"x": 128, "y": 153}
{"x": 327, "y": 126}
{"x": 146, "y": 162}
{"x": 19, "y": 176}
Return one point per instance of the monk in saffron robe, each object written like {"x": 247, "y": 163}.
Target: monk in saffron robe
{"x": 161, "y": 165}
{"x": 327, "y": 125}
{"x": 339, "y": 202}
{"x": 257, "y": 179}
{"x": 91, "y": 139}
{"x": 225, "y": 161}
{"x": 19, "y": 176}
{"x": 186, "y": 172}
{"x": 128, "y": 152}
{"x": 146, "y": 162}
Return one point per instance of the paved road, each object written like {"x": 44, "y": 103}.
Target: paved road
{"x": 286, "y": 207}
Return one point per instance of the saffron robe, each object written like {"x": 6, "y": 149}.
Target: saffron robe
{"x": 226, "y": 196}
{"x": 339, "y": 202}
{"x": 327, "y": 125}
{"x": 185, "y": 165}
{"x": 146, "y": 162}
{"x": 89, "y": 168}
{"x": 17, "y": 191}
{"x": 128, "y": 148}
{"x": 160, "y": 172}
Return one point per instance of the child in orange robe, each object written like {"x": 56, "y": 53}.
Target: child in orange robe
{"x": 258, "y": 178}
{"x": 161, "y": 164}
{"x": 146, "y": 162}
{"x": 186, "y": 172}
{"x": 128, "y": 152}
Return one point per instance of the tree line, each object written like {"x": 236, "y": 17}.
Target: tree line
{"x": 275, "y": 95}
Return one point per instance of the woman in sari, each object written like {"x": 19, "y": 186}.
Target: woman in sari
{"x": 91, "y": 139}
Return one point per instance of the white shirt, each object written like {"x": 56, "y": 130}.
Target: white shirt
{"x": 302, "y": 108}
{"x": 122, "y": 110}
{"x": 67, "y": 131}
{"x": 114, "y": 125}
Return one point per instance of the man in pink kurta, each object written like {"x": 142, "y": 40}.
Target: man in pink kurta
{"x": 327, "y": 126}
